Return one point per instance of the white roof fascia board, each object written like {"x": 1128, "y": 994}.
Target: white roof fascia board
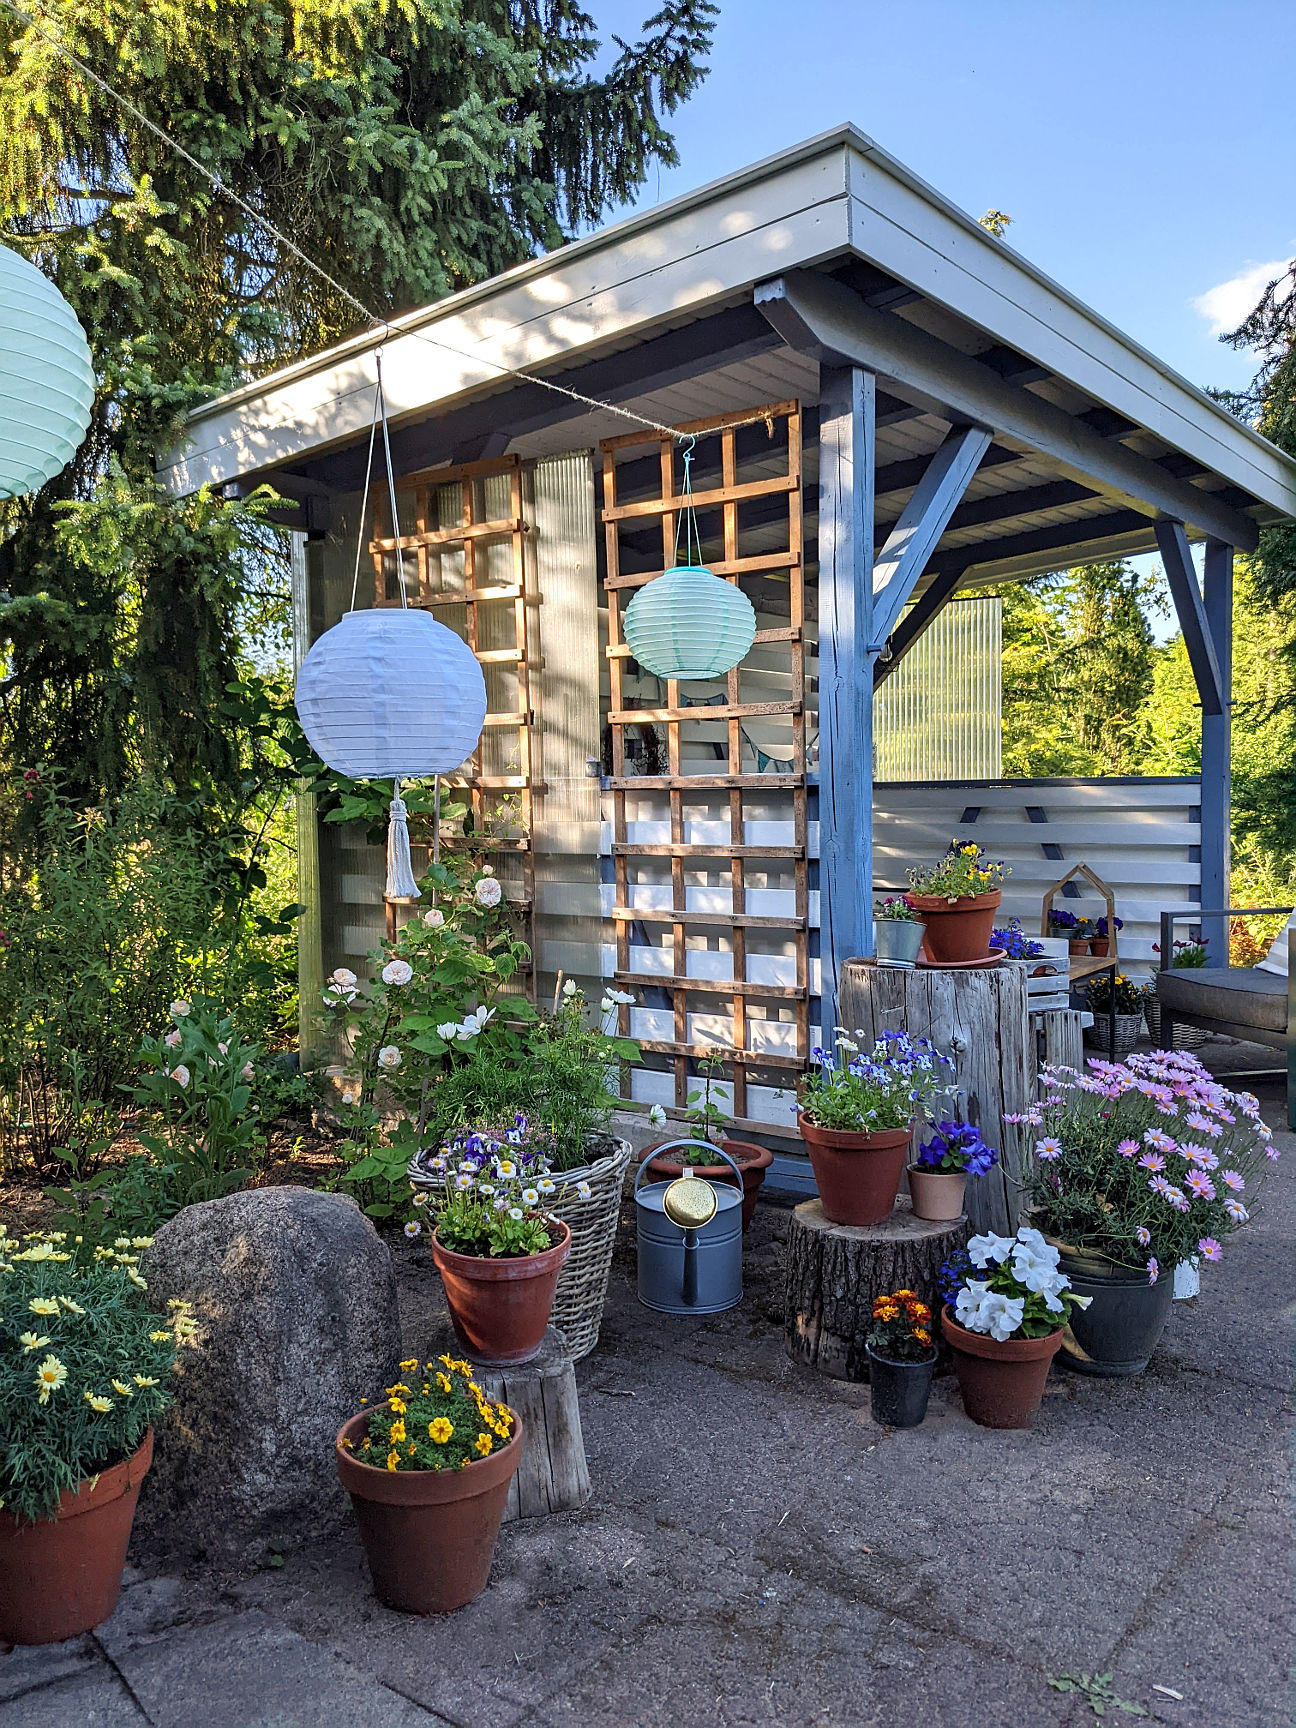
{"x": 689, "y": 259}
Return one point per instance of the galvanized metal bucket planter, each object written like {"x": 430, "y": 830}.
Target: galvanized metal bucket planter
{"x": 898, "y": 940}
{"x": 690, "y": 1246}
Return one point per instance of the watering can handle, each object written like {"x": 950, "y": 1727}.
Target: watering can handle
{"x": 670, "y": 1146}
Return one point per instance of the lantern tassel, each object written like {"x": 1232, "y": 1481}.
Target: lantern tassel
{"x": 400, "y": 866}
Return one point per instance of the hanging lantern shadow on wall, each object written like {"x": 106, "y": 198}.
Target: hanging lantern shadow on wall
{"x": 390, "y": 693}
{"x": 688, "y": 622}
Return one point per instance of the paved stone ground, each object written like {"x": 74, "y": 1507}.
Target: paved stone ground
{"x": 758, "y": 1552}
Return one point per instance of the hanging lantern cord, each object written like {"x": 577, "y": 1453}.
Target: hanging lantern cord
{"x": 687, "y": 518}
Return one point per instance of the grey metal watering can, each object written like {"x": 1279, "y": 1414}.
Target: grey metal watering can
{"x": 690, "y": 1244}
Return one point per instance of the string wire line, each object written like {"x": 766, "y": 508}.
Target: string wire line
{"x": 375, "y": 319}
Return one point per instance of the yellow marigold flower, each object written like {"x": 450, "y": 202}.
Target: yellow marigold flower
{"x": 121, "y": 1387}
{"x": 440, "y": 1428}
{"x": 398, "y": 1406}
{"x": 97, "y": 1402}
{"x": 426, "y": 1389}
{"x": 364, "y": 1445}
{"x": 483, "y": 1444}
{"x": 399, "y": 1387}
{"x": 411, "y": 1448}
{"x": 43, "y": 1305}
{"x": 397, "y": 1431}
{"x": 410, "y": 1366}
{"x": 50, "y": 1375}
{"x": 32, "y": 1341}
{"x": 903, "y": 1293}
{"x": 443, "y": 1381}
{"x": 349, "y": 1444}
{"x": 144, "y": 1380}
{"x": 71, "y": 1307}
{"x": 922, "y": 1334}
{"x": 393, "y": 1459}
{"x": 159, "y": 1337}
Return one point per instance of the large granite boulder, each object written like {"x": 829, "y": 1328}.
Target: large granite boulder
{"x": 294, "y": 1293}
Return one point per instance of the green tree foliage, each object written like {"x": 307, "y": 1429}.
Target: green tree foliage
{"x": 1270, "y": 403}
{"x": 1078, "y": 662}
{"x": 412, "y": 146}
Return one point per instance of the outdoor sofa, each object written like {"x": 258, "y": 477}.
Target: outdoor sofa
{"x": 1254, "y": 1003}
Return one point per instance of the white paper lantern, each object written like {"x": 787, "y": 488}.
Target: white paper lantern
{"x": 689, "y": 624}
{"x": 46, "y": 378}
{"x": 391, "y": 693}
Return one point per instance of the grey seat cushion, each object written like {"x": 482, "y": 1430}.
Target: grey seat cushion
{"x": 1240, "y": 995}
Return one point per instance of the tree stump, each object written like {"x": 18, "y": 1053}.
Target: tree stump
{"x": 1062, "y": 1037}
{"x": 978, "y": 1018}
{"x": 835, "y": 1273}
{"x": 553, "y": 1475}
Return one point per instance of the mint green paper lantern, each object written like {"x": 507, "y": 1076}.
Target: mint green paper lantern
{"x": 689, "y": 624}
{"x": 47, "y": 382}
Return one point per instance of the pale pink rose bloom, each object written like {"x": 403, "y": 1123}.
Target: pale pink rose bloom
{"x": 489, "y": 892}
{"x": 180, "y": 1074}
{"x": 397, "y": 972}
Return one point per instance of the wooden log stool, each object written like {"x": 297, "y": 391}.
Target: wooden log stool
{"x": 553, "y": 1475}
{"x": 835, "y": 1273}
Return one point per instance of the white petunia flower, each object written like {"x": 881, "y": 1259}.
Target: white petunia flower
{"x": 570, "y": 987}
{"x": 657, "y": 1115}
{"x": 983, "y": 1249}
{"x": 397, "y": 972}
{"x": 389, "y": 1057}
{"x": 448, "y": 1029}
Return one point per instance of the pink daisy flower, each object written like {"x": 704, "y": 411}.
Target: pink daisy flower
{"x": 1201, "y": 1184}
{"x": 1199, "y": 1155}
{"x": 1048, "y": 1150}
{"x": 1127, "y": 1148}
{"x": 1142, "y": 1235}
{"x": 1153, "y": 1269}
{"x": 1236, "y": 1211}
{"x": 1161, "y": 1142}
{"x": 1272, "y": 1154}
{"x": 1210, "y": 1248}
{"x": 1152, "y": 1161}
{"x": 1203, "y": 1124}
{"x": 1161, "y": 1187}
{"x": 1232, "y": 1179}
{"x": 1179, "y": 1200}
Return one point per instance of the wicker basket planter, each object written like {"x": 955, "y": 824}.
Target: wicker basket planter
{"x": 1186, "y": 1037}
{"x": 578, "y": 1302}
{"x": 1129, "y": 1029}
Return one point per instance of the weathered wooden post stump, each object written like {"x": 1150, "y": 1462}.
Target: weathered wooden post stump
{"x": 1062, "y": 1037}
{"x": 835, "y": 1273}
{"x": 553, "y": 1475}
{"x": 978, "y": 1018}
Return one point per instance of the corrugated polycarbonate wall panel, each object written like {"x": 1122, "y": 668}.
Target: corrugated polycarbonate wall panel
{"x": 939, "y": 715}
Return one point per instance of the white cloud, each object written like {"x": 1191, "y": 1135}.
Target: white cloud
{"x": 1228, "y": 303}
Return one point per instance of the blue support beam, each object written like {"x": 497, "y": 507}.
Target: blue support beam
{"x": 1176, "y": 556}
{"x": 1216, "y": 765}
{"x": 847, "y": 403}
{"x": 910, "y": 544}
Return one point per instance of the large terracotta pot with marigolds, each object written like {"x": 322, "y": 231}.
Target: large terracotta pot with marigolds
{"x": 901, "y": 1358}
{"x": 428, "y": 1473}
{"x": 957, "y": 900}
{"x": 83, "y": 1374}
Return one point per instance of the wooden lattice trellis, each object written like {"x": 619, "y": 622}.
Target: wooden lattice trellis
{"x": 475, "y": 573}
{"x": 746, "y": 998}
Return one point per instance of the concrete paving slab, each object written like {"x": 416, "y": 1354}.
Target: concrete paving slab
{"x": 29, "y": 1665}
{"x": 92, "y": 1700}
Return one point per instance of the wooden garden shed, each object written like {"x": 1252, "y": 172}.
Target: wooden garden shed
{"x": 893, "y": 410}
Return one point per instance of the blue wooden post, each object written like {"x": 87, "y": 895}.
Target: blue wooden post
{"x": 1216, "y": 769}
{"x": 847, "y": 399}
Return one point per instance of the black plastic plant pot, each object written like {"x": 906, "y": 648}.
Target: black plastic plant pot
{"x": 899, "y": 1390}
{"x": 1116, "y": 1335}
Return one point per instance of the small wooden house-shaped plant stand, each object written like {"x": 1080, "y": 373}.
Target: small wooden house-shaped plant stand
{"x": 1083, "y": 966}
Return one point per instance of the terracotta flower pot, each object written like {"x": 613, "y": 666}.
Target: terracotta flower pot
{"x": 858, "y": 1174}
{"x": 1077, "y": 945}
{"x": 61, "y": 1576}
{"x": 1002, "y": 1383}
{"x": 937, "y": 1195}
{"x": 1100, "y": 946}
{"x": 500, "y": 1308}
{"x": 428, "y": 1535}
{"x": 752, "y": 1159}
{"x": 957, "y": 930}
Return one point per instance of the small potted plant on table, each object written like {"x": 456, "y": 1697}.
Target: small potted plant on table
{"x": 938, "y": 1176}
{"x": 1072, "y": 929}
{"x": 857, "y": 1115}
{"x": 83, "y": 1374}
{"x": 901, "y": 1359}
{"x": 428, "y": 1472}
{"x": 498, "y": 1253}
{"x": 710, "y": 1119}
{"x": 957, "y": 899}
{"x": 1136, "y": 1170}
{"x": 899, "y": 931}
{"x": 1100, "y": 941}
{"x": 1005, "y": 1325}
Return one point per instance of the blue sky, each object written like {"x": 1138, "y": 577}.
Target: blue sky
{"x": 1144, "y": 149}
